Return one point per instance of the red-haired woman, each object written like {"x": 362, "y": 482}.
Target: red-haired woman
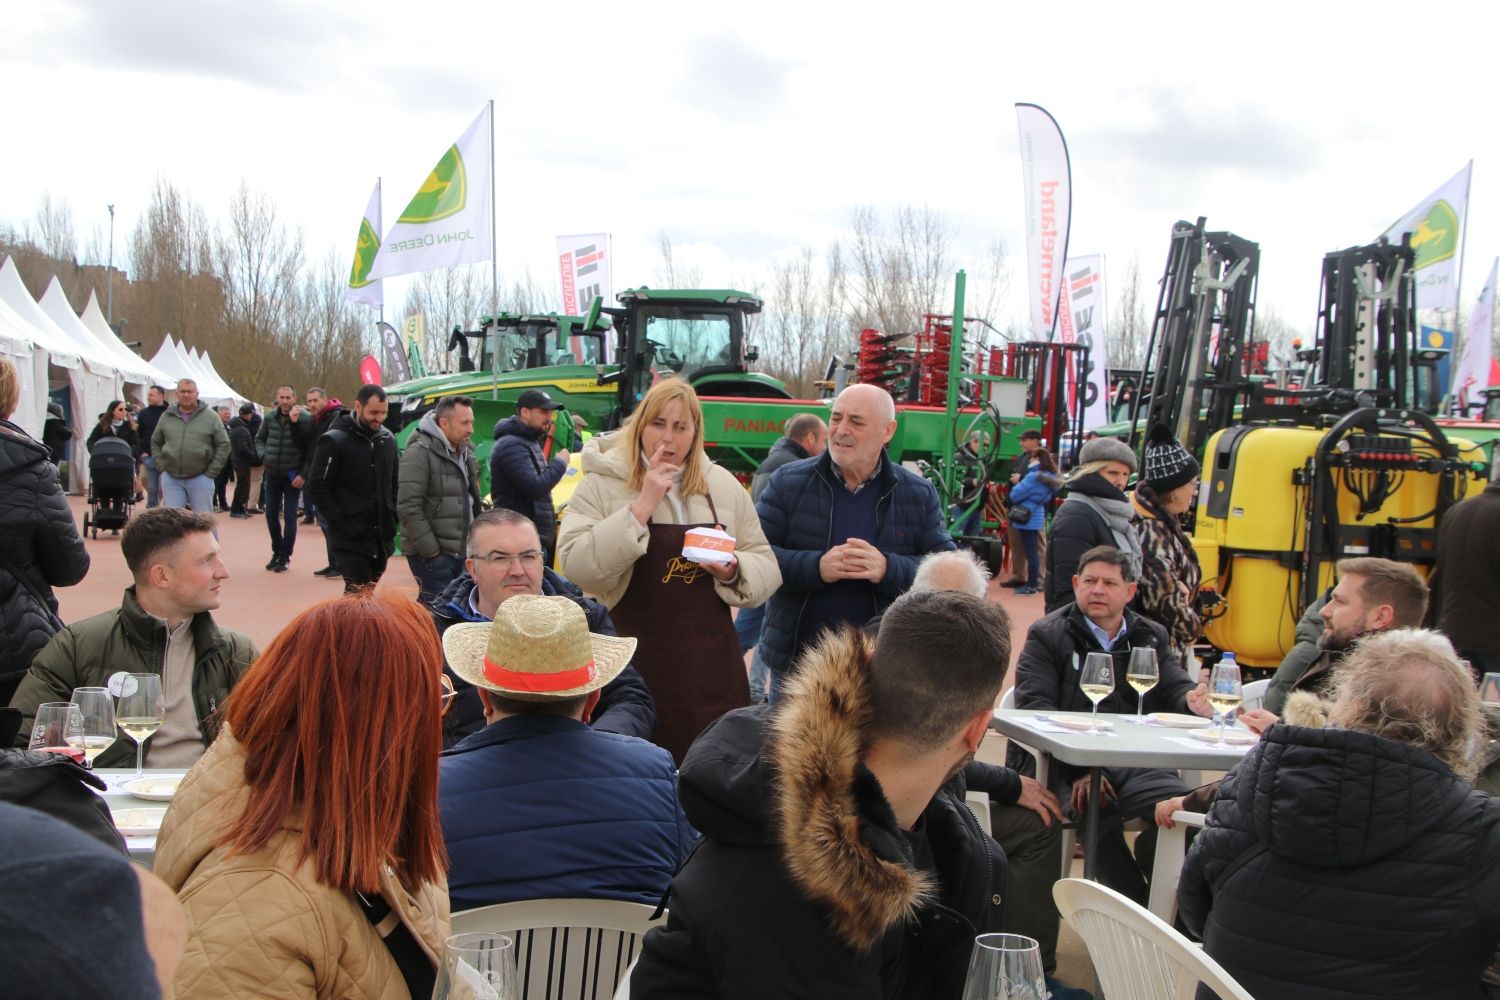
{"x": 305, "y": 844}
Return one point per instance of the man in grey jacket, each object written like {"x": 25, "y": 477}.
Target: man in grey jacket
{"x": 189, "y": 447}
{"x": 438, "y": 494}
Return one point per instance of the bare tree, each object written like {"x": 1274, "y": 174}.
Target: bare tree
{"x": 445, "y": 298}
{"x": 806, "y": 318}
{"x": 900, "y": 273}
{"x": 328, "y": 342}
{"x": 259, "y": 263}
{"x": 989, "y": 287}
{"x": 174, "y": 288}
{"x": 1130, "y": 319}
{"x": 671, "y": 273}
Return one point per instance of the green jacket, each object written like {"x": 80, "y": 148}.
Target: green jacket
{"x": 87, "y": 652}
{"x": 436, "y": 498}
{"x": 198, "y": 446}
{"x": 282, "y": 445}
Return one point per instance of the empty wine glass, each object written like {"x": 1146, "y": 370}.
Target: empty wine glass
{"x": 1224, "y": 690}
{"x": 57, "y": 724}
{"x": 1097, "y": 682}
{"x": 1005, "y": 967}
{"x": 480, "y": 965}
{"x": 1142, "y": 675}
{"x": 139, "y": 712}
{"x": 98, "y": 709}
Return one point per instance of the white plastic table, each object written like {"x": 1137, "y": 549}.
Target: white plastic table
{"x": 142, "y": 848}
{"x": 1127, "y": 744}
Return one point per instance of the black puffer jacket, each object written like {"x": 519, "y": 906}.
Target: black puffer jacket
{"x": 521, "y": 479}
{"x": 1076, "y": 528}
{"x": 784, "y": 452}
{"x": 40, "y": 548}
{"x": 353, "y": 484}
{"x": 803, "y": 885}
{"x": 1380, "y": 873}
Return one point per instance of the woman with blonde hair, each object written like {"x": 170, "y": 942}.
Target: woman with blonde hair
{"x": 622, "y": 540}
{"x": 305, "y": 845}
{"x": 40, "y": 547}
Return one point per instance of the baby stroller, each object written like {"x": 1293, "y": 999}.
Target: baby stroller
{"x": 111, "y": 486}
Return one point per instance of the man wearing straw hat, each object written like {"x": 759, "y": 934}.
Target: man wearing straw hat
{"x": 523, "y": 801}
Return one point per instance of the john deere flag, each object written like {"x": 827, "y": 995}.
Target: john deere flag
{"x": 584, "y": 264}
{"x": 1436, "y": 226}
{"x": 1048, "y": 182}
{"x": 1472, "y": 376}
{"x": 1081, "y": 319}
{"x": 447, "y": 221}
{"x": 362, "y": 287}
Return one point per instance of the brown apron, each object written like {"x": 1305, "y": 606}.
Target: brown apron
{"x": 686, "y": 646}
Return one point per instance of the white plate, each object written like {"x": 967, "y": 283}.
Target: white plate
{"x": 1233, "y": 737}
{"x": 1080, "y": 722}
{"x": 1179, "y": 721}
{"x": 152, "y": 789}
{"x": 138, "y": 822}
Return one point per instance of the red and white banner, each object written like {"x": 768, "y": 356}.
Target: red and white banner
{"x": 583, "y": 261}
{"x": 1048, "y": 186}
{"x": 1082, "y": 318}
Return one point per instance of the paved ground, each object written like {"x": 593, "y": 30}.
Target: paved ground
{"x": 260, "y": 603}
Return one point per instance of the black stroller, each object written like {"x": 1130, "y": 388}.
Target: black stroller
{"x": 111, "y": 486}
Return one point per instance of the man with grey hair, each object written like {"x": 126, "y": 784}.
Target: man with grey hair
{"x": 958, "y": 569}
{"x": 848, "y": 529}
{"x": 1384, "y": 878}
{"x": 189, "y": 447}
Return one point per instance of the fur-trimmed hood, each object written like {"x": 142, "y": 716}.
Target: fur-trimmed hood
{"x": 841, "y": 842}
{"x": 789, "y": 780}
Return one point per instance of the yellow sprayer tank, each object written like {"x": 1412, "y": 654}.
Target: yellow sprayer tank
{"x": 1251, "y": 527}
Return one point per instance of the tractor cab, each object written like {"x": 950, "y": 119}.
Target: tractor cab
{"x": 513, "y": 342}
{"x": 698, "y": 334}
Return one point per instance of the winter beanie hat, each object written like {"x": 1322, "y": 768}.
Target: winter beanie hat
{"x": 1107, "y": 449}
{"x": 1168, "y": 464}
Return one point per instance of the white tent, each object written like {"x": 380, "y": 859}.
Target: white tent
{"x": 18, "y": 344}
{"x": 174, "y": 359}
{"x": 135, "y": 367}
{"x": 206, "y": 365}
{"x": 92, "y": 382}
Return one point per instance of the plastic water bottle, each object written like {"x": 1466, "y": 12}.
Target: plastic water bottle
{"x": 1224, "y": 690}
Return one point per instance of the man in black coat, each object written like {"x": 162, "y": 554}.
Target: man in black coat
{"x": 1466, "y": 579}
{"x": 243, "y": 457}
{"x": 837, "y": 861}
{"x": 325, "y": 409}
{"x": 1357, "y": 860}
{"x": 1047, "y": 678}
{"x": 521, "y": 478}
{"x": 503, "y": 561}
{"x": 353, "y": 484}
{"x": 145, "y": 426}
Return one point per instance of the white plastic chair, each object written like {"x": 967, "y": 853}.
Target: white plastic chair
{"x": 1137, "y": 955}
{"x": 1166, "y": 870}
{"x": 1253, "y": 695}
{"x": 567, "y": 949}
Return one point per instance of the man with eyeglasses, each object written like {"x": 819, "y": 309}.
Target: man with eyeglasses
{"x": 505, "y": 559}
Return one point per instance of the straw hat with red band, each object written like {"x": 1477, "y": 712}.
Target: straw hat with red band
{"x": 537, "y": 649}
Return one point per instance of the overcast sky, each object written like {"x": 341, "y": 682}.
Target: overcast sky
{"x": 745, "y": 131}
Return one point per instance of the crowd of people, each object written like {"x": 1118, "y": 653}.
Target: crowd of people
{"x": 564, "y": 712}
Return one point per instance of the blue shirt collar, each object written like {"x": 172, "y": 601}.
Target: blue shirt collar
{"x": 1105, "y": 641}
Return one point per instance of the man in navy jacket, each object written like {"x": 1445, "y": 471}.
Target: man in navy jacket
{"x": 537, "y": 805}
{"x": 848, "y": 529}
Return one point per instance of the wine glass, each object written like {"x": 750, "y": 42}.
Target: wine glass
{"x": 98, "y": 732}
{"x": 1489, "y": 689}
{"x": 1005, "y": 967}
{"x": 1097, "y": 682}
{"x": 139, "y": 712}
{"x": 480, "y": 965}
{"x": 1142, "y": 674}
{"x": 57, "y": 724}
{"x": 1224, "y": 690}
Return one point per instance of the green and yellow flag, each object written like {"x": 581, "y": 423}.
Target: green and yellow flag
{"x": 447, "y": 221}
{"x": 362, "y": 287}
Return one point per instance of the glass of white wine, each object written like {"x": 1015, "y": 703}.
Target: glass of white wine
{"x": 139, "y": 712}
{"x": 1224, "y": 690}
{"x": 1097, "y": 682}
{"x": 1142, "y": 675}
{"x": 98, "y": 708}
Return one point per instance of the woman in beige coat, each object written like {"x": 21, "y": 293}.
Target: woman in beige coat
{"x": 305, "y": 845}
{"x": 622, "y": 541}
